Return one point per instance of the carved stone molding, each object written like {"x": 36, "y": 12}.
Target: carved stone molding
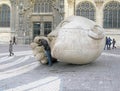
{"x": 70, "y": 2}
{"x": 13, "y": 2}
{"x": 99, "y": 1}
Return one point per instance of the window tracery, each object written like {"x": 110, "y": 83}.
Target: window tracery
{"x": 112, "y": 15}
{"x": 42, "y": 6}
{"x": 86, "y": 9}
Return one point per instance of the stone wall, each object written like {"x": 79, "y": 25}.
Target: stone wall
{"x": 28, "y": 18}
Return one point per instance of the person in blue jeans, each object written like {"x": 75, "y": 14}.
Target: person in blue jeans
{"x": 46, "y": 46}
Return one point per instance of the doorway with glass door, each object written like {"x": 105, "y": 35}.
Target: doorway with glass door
{"x": 41, "y": 28}
{"x": 36, "y": 29}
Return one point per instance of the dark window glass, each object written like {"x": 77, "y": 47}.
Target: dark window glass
{"x": 4, "y": 16}
{"x": 47, "y": 28}
{"x": 36, "y": 29}
{"x": 112, "y": 15}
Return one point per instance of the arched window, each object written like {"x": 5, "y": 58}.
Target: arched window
{"x": 4, "y": 16}
{"x": 42, "y": 6}
{"x": 39, "y": 8}
{"x": 86, "y": 9}
{"x": 46, "y": 7}
{"x": 35, "y": 8}
{"x": 112, "y": 15}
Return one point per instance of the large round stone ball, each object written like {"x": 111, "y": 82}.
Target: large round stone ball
{"x": 78, "y": 41}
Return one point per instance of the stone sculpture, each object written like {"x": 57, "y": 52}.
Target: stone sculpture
{"x": 76, "y": 40}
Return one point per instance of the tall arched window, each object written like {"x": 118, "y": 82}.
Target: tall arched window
{"x": 86, "y": 9}
{"x": 112, "y": 15}
{"x": 42, "y": 6}
{"x": 35, "y": 8}
{"x": 4, "y": 16}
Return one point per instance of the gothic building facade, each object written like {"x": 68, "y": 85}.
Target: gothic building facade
{"x": 26, "y": 19}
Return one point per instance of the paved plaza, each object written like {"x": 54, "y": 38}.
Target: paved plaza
{"x": 22, "y": 72}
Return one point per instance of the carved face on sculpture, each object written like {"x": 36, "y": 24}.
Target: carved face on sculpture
{"x": 77, "y": 40}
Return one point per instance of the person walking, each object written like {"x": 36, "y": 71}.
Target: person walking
{"x": 113, "y": 43}
{"x": 14, "y": 40}
{"x": 106, "y": 43}
{"x": 109, "y": 43}
{"x": 11, "y": 48}
{"x": 46, "y": 46}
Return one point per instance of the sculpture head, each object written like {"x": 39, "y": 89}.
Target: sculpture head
{"x": 77, "y": 40}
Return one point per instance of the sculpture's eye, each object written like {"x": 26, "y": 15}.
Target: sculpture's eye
{"x": 97, "y": 29}
{"x": 96, "y": 32}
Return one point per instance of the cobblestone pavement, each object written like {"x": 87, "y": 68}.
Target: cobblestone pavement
{"x": 22, "y": 72}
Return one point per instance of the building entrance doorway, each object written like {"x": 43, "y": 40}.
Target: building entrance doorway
{"x": 41, "y": 28}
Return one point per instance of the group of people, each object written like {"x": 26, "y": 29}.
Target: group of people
{"x": 110, "y": 43}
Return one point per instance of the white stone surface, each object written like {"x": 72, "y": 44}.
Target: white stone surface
{"x": 77, "y": 40}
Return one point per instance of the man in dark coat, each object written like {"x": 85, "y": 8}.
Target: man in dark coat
{"x": 46, "y": 46}
{"x": 113, "y": 42}
{"x": 14, "y": 40}
{"x": 109, "y": 43}
{"x": 11, "y": 48}
{"x": 106, "y": 43}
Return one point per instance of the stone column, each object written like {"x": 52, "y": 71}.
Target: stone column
{"x": 12, "y": 17}
{"x": 70, "y": 7}
{"x": 42, "y": 29}
{"x": 20, "y": 32}
{"x": 24, "y": 9}
{"x": 42, "y": 25}
{"x": 99, "y": 12}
